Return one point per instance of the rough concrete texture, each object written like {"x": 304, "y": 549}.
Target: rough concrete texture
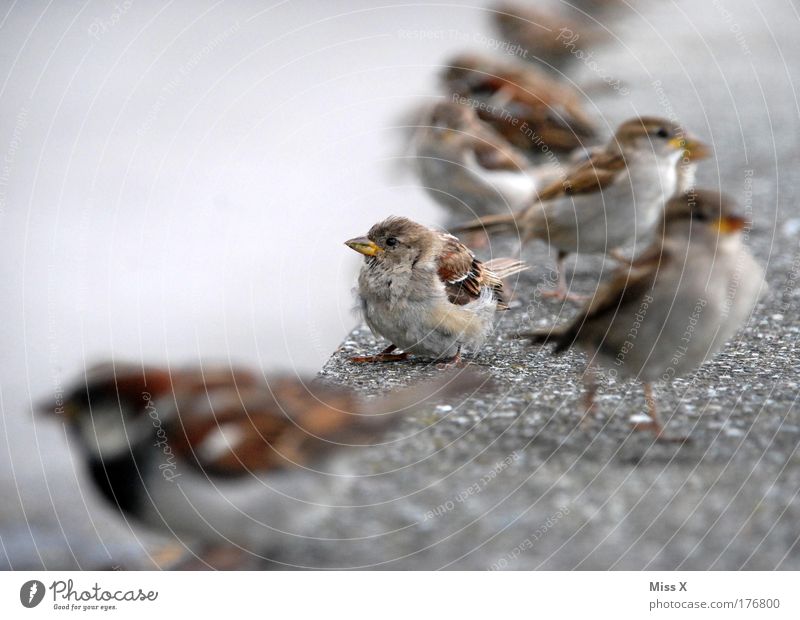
{"x": 727, "y": 500}
{"x": 509, "y": 479}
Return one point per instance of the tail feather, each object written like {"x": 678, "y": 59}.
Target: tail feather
{"x": 497, "y": 270}
{"x": 506, "y": 267}
{"x": 500, "y": 223}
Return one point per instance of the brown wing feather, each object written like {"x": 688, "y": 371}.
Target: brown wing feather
{"x": 627, "y": 286}
{"x": 492, "y": 156}
{"x": 230, "y": 421}
{"x": 463, "y": 275}
{"x": 590, "y": 176}
{"x": 269, "y": 426}
{"x": 552, "y": 110}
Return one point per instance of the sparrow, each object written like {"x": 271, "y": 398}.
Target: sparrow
{"x": 673, "y": 307}
{"x": 547, "y": 34}
{"x": 532, "y": 110}
{"x": 608, "y": 200}
{"x": 425, "y": 292}
{"x": 468, "y": 167}
{"x": 224, "y": 457}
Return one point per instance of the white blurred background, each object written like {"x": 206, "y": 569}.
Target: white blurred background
{"x": 185, "y": 174}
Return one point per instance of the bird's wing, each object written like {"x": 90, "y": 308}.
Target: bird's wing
{"x": 584, "y": 178}
{"x": 278, "y": 424}
{"x": 493, "y": 152}
{"x": 589, "y": 176}
{"x": 231, "y": 421}
{"x": 626, "y": 288}
{"x": 463, "y": 275}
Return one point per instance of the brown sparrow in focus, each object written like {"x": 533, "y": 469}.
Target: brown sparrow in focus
{"x": 425, "y": 292}
{"x": 675, "y": 305}
{"x": 529, "y": 108}
{"x": 613, "y": 198}
{"x": 224, "y": 458}
{"x": 467, "y": 166}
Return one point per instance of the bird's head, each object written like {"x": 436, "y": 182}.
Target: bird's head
{"x": 703, "y": 214}
{"x": 112, "y": 409}
{"x": 663, "y": 138}
{"x": 395, "y": 242}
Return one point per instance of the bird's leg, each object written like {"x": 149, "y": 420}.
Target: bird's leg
{"x": 655, "y": 425}
{"x": 589, "y": 391}
{"x": 454, "y": 361}
{"x": 561, "y": 292}
{"x": 215, "y": 557}
{"x": 384, "y": 356}
{"x": 171, "y": 555}
{"x": 618, "y": 256}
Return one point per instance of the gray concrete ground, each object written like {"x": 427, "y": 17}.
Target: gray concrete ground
{"x": 508, "y": 479}
{"x": 727, "y": 500}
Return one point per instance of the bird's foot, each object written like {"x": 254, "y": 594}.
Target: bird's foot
{"x": 618, "y": 256}
{"x": 454, "y": 362}
{"x": 217, "y": 558}
{"x": 169, "y": 556}
{"x": 380, "y": 357}
{"x": 589, "y": 415}
{"x": 658, "y": 431}
{"x": 563, "y": 295}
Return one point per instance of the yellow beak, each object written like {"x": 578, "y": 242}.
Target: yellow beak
{"x": 449, "y": 135}
{"x": 693, "y": 148}
{"x": 364, "y": 246}
{"x": 730, "y": 224}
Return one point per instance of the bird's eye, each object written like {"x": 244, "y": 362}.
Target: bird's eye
{"x": 699, "y": 215}
{"x": 391, "y": 242}
{"x": 663, "y": 132}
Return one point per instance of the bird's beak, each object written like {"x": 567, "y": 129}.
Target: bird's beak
{"x": 693, "y": 148}
{"x": 449, "y": 134}
{"x": 730, "y": 224}
{"x": 364, "y": 246}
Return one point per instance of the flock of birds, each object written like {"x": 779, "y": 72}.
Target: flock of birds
{"x": 224, "y": 457}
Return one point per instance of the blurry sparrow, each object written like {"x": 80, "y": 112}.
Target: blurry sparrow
{"x": 675, "y": 305}
{"x": 425, "y": 292}
{"x": 223, "y": 457}
{"x": 532, "y": 110}
{"x": 547, "y": 34}
{"x": 613, "y": 198}
{"x": 467, "y": 166}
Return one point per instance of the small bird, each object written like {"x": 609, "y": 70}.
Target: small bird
{"x": 226, "y": 458}
{"x": 608, "y": 200}
{"x": 532, "y": 110}
{"x": 426, "y": 292}
{"x": 547, "y": 34}
{"x": 675, "y": 305}
{"x": 468, "y": 167}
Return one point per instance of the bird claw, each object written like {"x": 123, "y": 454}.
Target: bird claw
{"x": 589, "y": 415}
{"x": 379, "y": 358}
{"x": 618, "y": 256}
{"x": 451, "y": 364}
{"x": 658, "y": 432}
{"x": 562, "y": 296}
{"x": 454, "y": 362}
